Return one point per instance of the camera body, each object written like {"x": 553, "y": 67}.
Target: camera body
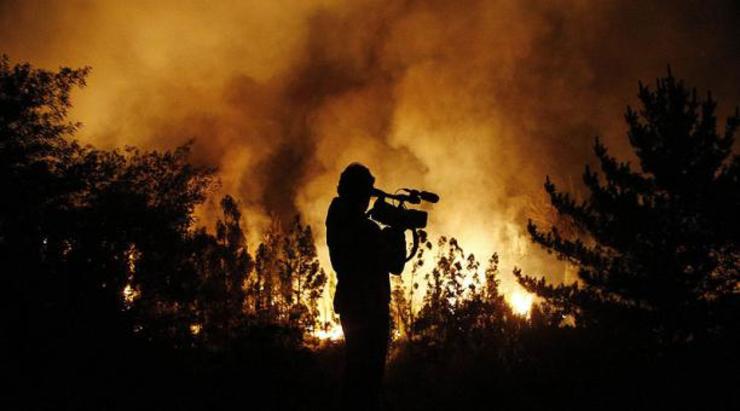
{"x": 397, "y": 216}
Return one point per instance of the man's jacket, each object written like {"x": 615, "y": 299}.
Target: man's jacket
{"x": 362, "y": 255}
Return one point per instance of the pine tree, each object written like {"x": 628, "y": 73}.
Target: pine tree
{"x": 265, "y": 286}
{"x": 302, "y": 277}
{"x": 224, "y": 270}
{"x": 657, "y": 247}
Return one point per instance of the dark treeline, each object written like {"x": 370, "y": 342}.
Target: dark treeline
{"x": 106, "y": 275}
{"x": 118, "y": 300}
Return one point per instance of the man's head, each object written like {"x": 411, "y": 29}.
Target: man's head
{"x": 355, "y": 185}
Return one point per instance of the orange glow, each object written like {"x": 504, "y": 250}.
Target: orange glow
{"x": 130, "y": 294}
{"x": 521, "y": 302}
{"x": 333, "y": 333}
{"x": 472, "y": 100}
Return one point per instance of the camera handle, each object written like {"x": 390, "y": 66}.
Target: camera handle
{"x": 414, "y": 198}
{"x": 415, "y": 247}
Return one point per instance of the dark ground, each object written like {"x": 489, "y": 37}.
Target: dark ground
{"x": 567, "y": 374}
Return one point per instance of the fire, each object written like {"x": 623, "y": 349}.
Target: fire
{"x": 458, "y": 100}
{"x": 130, "y": 294}
{"x": 521, "y": 302}
{"x": 332, "y": 333}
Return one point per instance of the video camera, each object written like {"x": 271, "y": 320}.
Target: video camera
{"x": 398, "y": 216}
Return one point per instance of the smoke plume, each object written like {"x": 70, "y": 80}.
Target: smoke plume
{"x": 475, "y": 100}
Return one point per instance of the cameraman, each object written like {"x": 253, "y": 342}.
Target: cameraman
{"x": 362, "y": 255}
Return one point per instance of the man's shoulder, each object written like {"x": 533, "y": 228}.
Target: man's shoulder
{"x": 337, "y": 211}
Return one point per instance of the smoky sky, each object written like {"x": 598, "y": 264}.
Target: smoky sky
{"x": 477, "y": 100}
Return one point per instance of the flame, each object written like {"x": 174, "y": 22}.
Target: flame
{"x": 195, "y": 328}
{"x": 331, "y": 333}
{"x": 521, "y": 302}
{"x": 130, "y": 294}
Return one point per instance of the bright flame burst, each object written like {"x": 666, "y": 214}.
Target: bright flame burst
{"x": 521, "y": 302}
{"x": 130, "y": 294}
{"x": 333, "y": 333}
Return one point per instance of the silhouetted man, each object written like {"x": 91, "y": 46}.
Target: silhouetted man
{"x": 362, "y": 255}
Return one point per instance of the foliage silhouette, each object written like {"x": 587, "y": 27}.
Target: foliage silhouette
{"x": 103, "y": 263}
{"x": 117, "y": 299}
{"x": 657, "y": 251}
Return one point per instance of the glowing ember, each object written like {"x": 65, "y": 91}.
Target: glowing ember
{"x": 521, "y": 302}
{"x": 195, "y": 328}
{"x": 333, "y": 333}
{"x": 130, "y": 294}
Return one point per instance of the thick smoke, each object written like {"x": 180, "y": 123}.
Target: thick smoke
{"x": 477, "y": 100}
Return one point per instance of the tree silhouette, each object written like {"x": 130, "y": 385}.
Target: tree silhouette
{"x": 93, "y": 243}
{"x": 656, "y": 247}
{"x": 224, "y": 267}
{"x": 461, "y": 308}
{"x": 141, "y": 203}
{"x": 266, "y": 274}
{"x": 301, "y": 276}
{"x": 288, "y": 280}
{"x": 34, "y": 148}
